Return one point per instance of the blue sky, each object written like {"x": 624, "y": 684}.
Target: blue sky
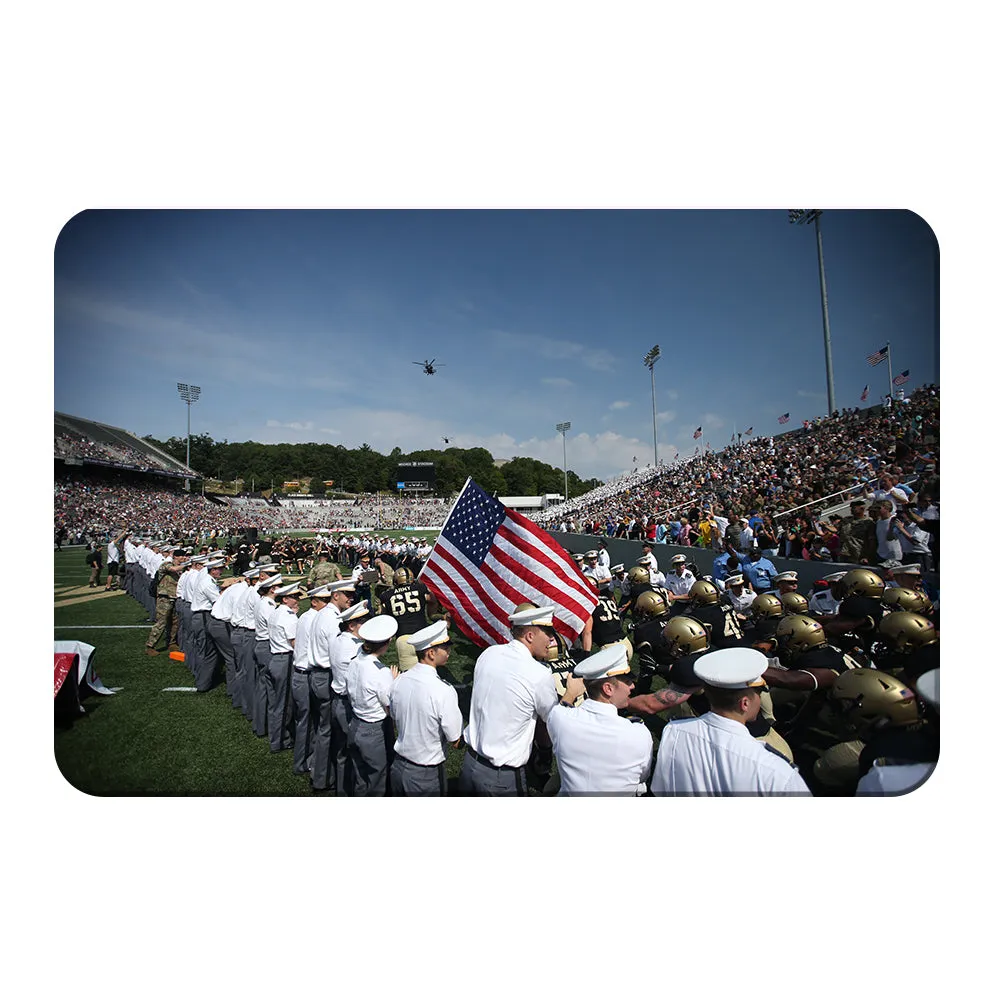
{"x": 302, "y": 325}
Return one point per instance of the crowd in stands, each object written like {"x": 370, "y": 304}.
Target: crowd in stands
{"x": 69, "y": 445}
{"x": 771, "y": 491}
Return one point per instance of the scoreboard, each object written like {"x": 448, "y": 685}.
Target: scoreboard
{"x": 414, "y": 476}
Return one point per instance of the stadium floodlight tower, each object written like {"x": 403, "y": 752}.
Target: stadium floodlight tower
{"x": 562, "y": 428}
{"x": 190, "y": 394}
{"x": 649, "y": 360}
{"x": 803, "y": 217}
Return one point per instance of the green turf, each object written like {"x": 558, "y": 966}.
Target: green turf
{"x": 147, "y": 741}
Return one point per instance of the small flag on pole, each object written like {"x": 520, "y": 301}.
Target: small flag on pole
{"x": 879, "y": 356}
{"x": 697, "y": 434}
{"x": 864, "y": 394}
{"x": 783, "y": 419}
{"x": 749, "y": 430}
{"x": 902, "y": 377}
{"x": 733, "y": 438}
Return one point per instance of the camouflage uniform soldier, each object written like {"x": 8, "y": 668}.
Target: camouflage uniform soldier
{"x": 322, "y": 572}
{"x": 858, "y": 543}
{"x": 166, "y": 595}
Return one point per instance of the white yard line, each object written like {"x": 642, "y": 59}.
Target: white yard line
{"x": 180, "y": 689}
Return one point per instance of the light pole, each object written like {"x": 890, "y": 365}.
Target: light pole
{"x": 649, "y": 360}
{"x": 799, "y": 217}
{"x": 190, "y": 394}
{"x": 562, "y": 428}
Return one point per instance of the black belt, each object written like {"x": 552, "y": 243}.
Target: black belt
{"x": 490, "y": 764}
{"x": 399, "y": 756}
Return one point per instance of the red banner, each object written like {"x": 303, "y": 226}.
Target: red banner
{"x": 65, "y": 662}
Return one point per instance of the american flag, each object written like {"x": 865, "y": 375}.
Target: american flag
{"x": 864, "y": 394}
{"x": 879, "y": 356}
{"x": 697, "y": 434}
{"x": 488, "y": 559}
{"x": 902, "y": 377}
{"x": 783, "y": 419}
{"x": 749, "y": 430}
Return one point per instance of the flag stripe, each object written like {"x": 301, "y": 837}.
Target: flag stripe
{"x": 450, "y": 602}
{"x": 525, "y": 575}
{"x": 563, "y": 621}
{"x": 575, "y": 587}
{"x": 477, "y": 610}
{"x": 879, "y": 356}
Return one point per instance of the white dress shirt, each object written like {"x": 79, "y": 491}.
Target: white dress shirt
{"x": 893, "y": 779}
{"x": 183, "y": 582}
{"x": 261, "y": 614}
{"x": 245, "y": 613}
{"x": 679, "y": 584}
{"x": 597, "y": 751}
{"x": 301, "y": 658}
{"x": 823, "y": 603}
{"x": 344, "y": 647}
{"x": 282, "y": 623}
{"x": 325, "y": 628}
{"x": 510, "y": 690}
{"x": 204, "y": 591}
{"x": 713, "y": 755}
{"x": 369, "y": 685}
{"x": 426, "y": 713}
{"x": 223, "y": 607}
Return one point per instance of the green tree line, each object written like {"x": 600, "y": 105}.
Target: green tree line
{"x": 363, "y": 470}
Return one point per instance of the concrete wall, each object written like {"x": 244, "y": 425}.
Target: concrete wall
{"x": 623, "y": 550}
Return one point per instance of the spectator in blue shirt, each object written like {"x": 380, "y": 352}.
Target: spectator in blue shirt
{"x": 758, "y": 569}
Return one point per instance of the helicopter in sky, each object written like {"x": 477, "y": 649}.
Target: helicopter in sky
{"x": 428, "y": 366}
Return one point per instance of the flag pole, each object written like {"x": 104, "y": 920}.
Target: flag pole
{"x": 889, "y": 359}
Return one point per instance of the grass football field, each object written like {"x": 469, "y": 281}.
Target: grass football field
{"x": 145, "y": 740}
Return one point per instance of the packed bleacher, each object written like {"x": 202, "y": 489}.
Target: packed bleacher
{"x": 792, "y": 489}
{"x": 87, "y": 441}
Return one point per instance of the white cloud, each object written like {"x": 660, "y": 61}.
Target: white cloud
{"x": 619, "y": 404}
{"x": 294, "y": 425}
{"x": 553, "y": 349}
{"x": 666, "y": 417}
{"x": 557, "y": 383}
{"x": 810, "y": 395}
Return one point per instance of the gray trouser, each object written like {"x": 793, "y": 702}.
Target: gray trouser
{"x": 205, "y": 654}
{"x": 238, "y": 637}
{"x": 303, "y": 746}
{"x": 258, "y": 691}
{"x": 277, "y": 682}
{"x": 340, "y": 724}
{"x": 247, "y": 672}
{"x": 407, "y": 778}
{"x": 320, "y": 716}
{"x": 477, "y": 778}
{"x": 369, "y": 745}
{"x": 182, "y": 609}
{"x": 219, "y": 631}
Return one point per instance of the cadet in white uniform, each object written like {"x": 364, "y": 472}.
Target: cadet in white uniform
{"x": 512, "y": 688}
{"x": 302, "y": 748}
{"x": 262, "y": 653}
{"x": 680, "y": 579}
{"x": 593, "y": 569}
{"x": 242, "y": 627}
{"x": 220, "y": 628}
{"x": 324, "y": 632}
{"x": 425, "y": 710}
{"x": 343, "y": 650}
{"x": 597, "y": 751}
{"x": 282, "y": 628}
{"x": 715, "y": 754}
{"x": 822, "y": 602}
{"x": 369, "y": 686}
{"x": 738, "y": 596}
{"x": 204, "y": 593}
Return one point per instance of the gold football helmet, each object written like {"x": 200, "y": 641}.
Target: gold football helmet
{"x": 650, "y": 605}
{"x": 766, "y": 606}
{"x": 906, "y": 632}
{"x": 794, "y": 604}
{"x": 871, "y": 697}
{"x": 864, "y": 583}
{"x": 904, "y": 599}
{"x": 684, "y": 635}
{"x": 838, "y": 766}
{"x": 638, "y": 574}
{"x": 703, "y": 592}
{"x": 402, "y": 575}
{"x": 797, "y": 633}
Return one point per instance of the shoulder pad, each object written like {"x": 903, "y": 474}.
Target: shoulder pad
{"x": 776, "y": 752}
{"x": 635, "y": 718}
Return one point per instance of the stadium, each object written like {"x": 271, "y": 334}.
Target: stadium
{"x": 118, "y": 710}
